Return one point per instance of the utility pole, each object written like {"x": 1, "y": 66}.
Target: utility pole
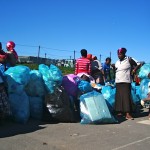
{"x": 100, "y": 57}
{"x": 38, "y": 60}
{"x": 74, "y": 56}
{"x": 45, "y": 59}
{"x": 110, "y": 54}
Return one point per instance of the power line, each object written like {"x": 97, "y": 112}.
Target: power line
{"x": 56, "y": 49}
{"x": 22, "y": 45}
{"x": 41, "y": 47}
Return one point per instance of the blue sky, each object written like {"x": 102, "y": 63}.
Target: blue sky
{"x": 62, "y": 26}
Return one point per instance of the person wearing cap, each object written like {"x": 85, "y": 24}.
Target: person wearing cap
{"x": 11, "y": 54}
{"x": 89, "y": 56}
{"x": 83, "y": 64}
{"x": 123, "y": 79}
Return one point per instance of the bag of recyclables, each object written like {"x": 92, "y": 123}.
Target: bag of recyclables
{"x": 144, "y": 71}
{"x": 109, "y": 94}
{"x": 35, "y": 86}
{"x": 84, "y": 86}
{"x": 144, "y": 88}
{"x": 135, "y": 93}
{"x": 94, "y": 110}
{"x": 69, "y": 84}
{"x": 17, "y": 78}
{"x": 36, "y": 107}
{"x": 59, "y": 105}
{"x": 52, "y": 77}
{"x": 20, "y": 108}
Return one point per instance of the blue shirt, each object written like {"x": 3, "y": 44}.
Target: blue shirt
{"x": 106, "y": 69}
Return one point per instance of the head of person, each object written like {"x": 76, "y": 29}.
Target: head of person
{"x": 108, "y": 61}
{"x": 89, "y": 56}
{"x": 83, "y": 53}
{"x": 121, "y": 53}
{"x": 10, "y": 45}
{"x": 94, "y": 58}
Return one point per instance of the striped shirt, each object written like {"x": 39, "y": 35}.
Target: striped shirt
{"x": 83, "y": 65}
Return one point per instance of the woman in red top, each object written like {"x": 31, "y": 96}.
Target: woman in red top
{"x": 83, "y": 64}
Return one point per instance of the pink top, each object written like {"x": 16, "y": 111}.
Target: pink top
{"x": 83, "y": 65}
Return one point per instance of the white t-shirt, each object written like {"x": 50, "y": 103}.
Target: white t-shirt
{"x": 123, "y": 71}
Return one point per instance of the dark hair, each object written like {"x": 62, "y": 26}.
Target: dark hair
{"x": 83, "y": 52}
{"x": 108, "y": 58}
{"x": 122, "y": 50}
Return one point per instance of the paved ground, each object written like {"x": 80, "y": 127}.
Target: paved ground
{"x": 125, "y": 135}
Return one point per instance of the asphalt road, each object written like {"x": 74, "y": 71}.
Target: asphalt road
{"x": 35, "y": 135}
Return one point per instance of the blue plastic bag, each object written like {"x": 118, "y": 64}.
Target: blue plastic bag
{"x": 44, "y": 70}
{"x": 94, "y": 109}
{"x": 135, "y": 93}
{"x": 36, "y": 107}
{"x": 55, "y": 74}
{"x": 84, "y": 86}
{"x": 144, "y": 88}
{"x": 35, "y": 86}
{"x": 109, "y": 94}
{"x": 20, "y": 108}
{"x": 144, "y": 71}
{"x": 17, "y": 78}
{"x": 52, "y": 77}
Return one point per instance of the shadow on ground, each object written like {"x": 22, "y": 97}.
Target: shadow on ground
{"x": 10, "y": 128}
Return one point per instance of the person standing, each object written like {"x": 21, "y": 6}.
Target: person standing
{"x": 106, "y": 69}
{"x": 83, "y": 64}
{"x": 123, "y": 79}
{"x": 97, "y": 72}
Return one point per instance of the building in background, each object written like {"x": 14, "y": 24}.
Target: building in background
{"x": 40, "y": 60}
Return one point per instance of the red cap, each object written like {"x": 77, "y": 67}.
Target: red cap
{"x": 10, "y": 45}
{"x": 89, "y": 56}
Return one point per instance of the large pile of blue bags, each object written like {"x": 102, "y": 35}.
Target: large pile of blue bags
{"x": 30, "y": 90}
